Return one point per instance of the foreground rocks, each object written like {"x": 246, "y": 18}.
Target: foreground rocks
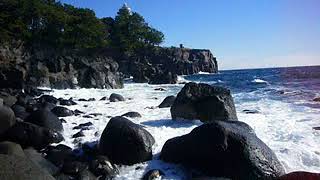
{"x": 224, "y": 149}
{"x": 204, "y": 102}
{"x": 7, "y": 118}
{"x": 125, "y": 142}
{"x": 27, "y": 134}
{"x": 45, "y": 118}
{"x": 20, "y": 168}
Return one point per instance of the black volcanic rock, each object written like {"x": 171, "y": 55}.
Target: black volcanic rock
{"x": 167, "y": 102}
{"x": 27, "y": 134}
{"x": 224, "y": 149}
{"x": 204, "y": 102}
{"x": 18, "y": 168}
{"x": 45, "y": 118}
{"x": 7, "y": 118}
{"x": 102, "y": 166}
{"x": 62, "y": 111}
{"x": 48, "y": 67}
{"x": 116, "y": 97}
{"x": 132, "y": 114}
{"x": 162, "y": 65}
{"x": 125, "y": 142}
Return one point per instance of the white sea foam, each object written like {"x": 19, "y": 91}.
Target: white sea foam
{"x": 259, "y": 81}
{"x": 285, "y": 128}
{"x": 200, "y": 72}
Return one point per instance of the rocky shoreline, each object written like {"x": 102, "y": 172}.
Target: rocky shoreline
{"x": 21, "y": 66}
{"x": 226, "y": 148}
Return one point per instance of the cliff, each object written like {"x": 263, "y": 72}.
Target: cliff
{"x": 162, "y": 65}
{"x": 103, "y": 68}
{"x": 47, "y": 67}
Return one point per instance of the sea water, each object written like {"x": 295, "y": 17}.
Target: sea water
{"x": 279, "y": 101}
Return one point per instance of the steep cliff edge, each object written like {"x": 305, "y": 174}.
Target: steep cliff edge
{"x": 47, "y": 67}
{"x": 51, "y": 68}
{"x": 162, "y": 65}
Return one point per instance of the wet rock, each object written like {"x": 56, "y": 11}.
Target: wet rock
{"x": 116, "y": 97}
{"x": 7, "y": 118}
{"x": 45, "y": 118}
{"x": 101, "y": 166}
{"x": 91, "y": 99}
{"x": 73, "y": 167}
{"x": 165, "y": 77}
{"x": 82, "y": 99}
{"x": 248, "y": 111}
{"x": 204, "y": 102}
{"x": 63, "y": 120}
{"x": 160, "y": 89}
{"x": 125, "y": 142}
{"x": 316, "y": 128}
{"x": 27, "y": 134}
{"x": 87, "y": 116}
{"x": 78, "y": 134}
{"x": 11, "y": 148}
{"x": 153, "y": 174}
{"x": 317, "y": 99}
{"x": 300, "y": 175}
{"x": 48, "y": 99}
{"x": 8, "y": 99}
{"x": 87, "y": 175}
{"x": 77, "y": 112}
{"x": 20, "y": 168}
{"x": 67, "y": 102}
{"x": 95, "y": 114}
{"x": 20, "y": 111}
{"x": 58, "y": 154}
{"x": 167, "y": 102}
{"x": 103, "y": 98}
{"x": 224, "y": 149}
{"x": 132, "y": 114}
{"x": 62, "y": 111}
{"x": 40, "y": 161}
{"x": 83, "y": 125}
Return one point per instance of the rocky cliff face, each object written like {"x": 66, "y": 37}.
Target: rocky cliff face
{"x": 49, "y": 68}
{"x": 162, "y": 65}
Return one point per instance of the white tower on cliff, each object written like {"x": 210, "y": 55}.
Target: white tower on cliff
{"x": 125, "y": 5}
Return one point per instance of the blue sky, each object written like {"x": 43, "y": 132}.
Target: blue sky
{"x": 240, "y": 33}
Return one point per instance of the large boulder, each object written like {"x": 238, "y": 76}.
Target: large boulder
{"x": 40, "y": 161}
{"x": 11, "y": 148}
{"x": 27, "y": 134}
{"x": 45, "y": 118}
{"x": 116, "y": 97}
{"x": 224, "y": 149}
{"x": 20, "y": 168}
{"x": 125, "y": 142}
{"x": 204, "y": 102}
{"x": 167, "y": 102}
{"x": 7, "y": 118}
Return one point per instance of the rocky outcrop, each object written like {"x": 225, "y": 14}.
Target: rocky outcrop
{"x": 204, "y": 102}
{"x": 59, "y": 69}
{"x": 125, "y": 142}
{"x": 162, "y": 65}
{"x": 227, "y": 149}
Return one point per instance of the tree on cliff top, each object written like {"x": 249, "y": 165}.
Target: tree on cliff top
{"x": 131, "y": 32}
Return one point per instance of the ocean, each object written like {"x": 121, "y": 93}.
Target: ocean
{"x": 276, "y": 102}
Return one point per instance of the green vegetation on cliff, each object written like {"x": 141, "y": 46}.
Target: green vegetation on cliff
{"x": 50, "y": 23}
